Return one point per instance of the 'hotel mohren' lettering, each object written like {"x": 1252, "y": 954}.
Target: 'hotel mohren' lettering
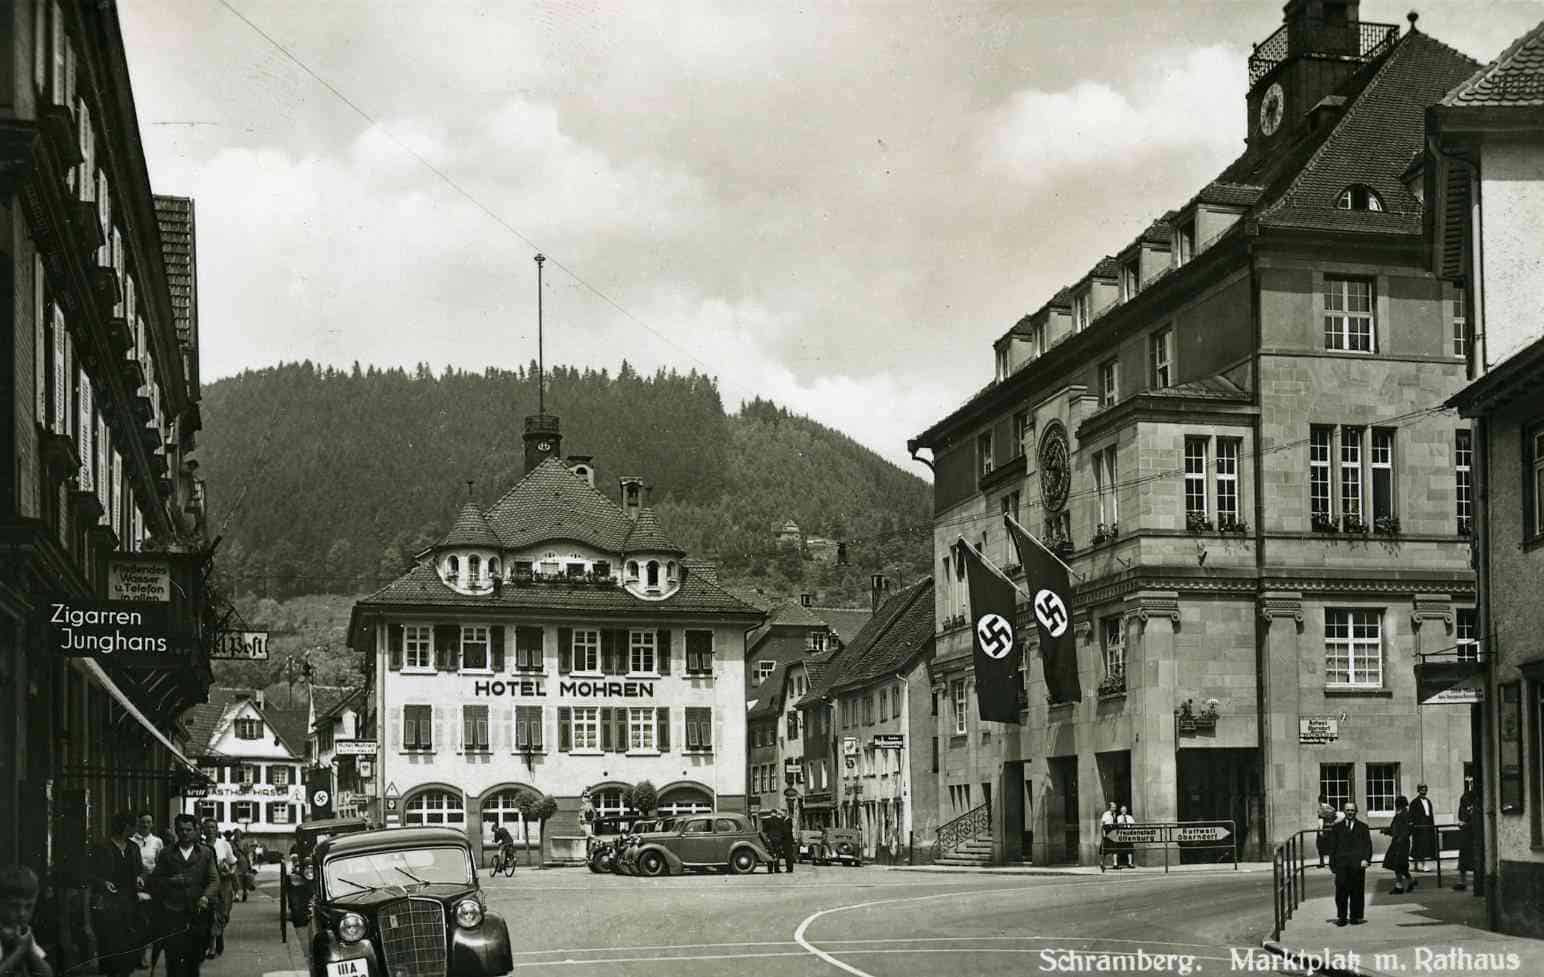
{"x": 576, "y": 689}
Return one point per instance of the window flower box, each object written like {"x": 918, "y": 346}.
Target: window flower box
{"x": 1386, "y": 526}
{"x": 1196, "y": 522}
{"x": 1233, "y": 525}
{"x": 1465, "y": 527}
{"x": 1105, "y": 533}
{"x": 1113, "y": 685}
{"x": 1323, "y": 523}
{"x": 1190, "y": 720}
{"x": 1353, "y": 524}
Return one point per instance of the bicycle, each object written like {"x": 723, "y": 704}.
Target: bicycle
{"x": 503, "y": 861}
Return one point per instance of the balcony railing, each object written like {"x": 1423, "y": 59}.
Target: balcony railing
{"x": 1358, "y": 40}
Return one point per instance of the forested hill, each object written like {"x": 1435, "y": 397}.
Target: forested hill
{"x": 328, "y": 481}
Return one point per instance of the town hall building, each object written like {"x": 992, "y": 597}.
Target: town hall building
{"x": 557, "y": 643}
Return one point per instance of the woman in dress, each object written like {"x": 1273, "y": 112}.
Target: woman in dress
{"x": 1465, "y": 835}
{"x": 1397, "y": 858}
{"x": 116, "y": 877}
{"x": 1128, "y": 849}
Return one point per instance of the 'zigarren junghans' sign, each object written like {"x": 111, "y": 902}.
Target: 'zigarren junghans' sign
{"x": 568, "y": 689}
{"x": 130, "y": 632}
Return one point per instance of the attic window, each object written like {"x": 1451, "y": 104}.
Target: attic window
{"x": 670, "y": 571}
{"x": 493, "y": 568}
{"x": 1359, "y": 196}
{"x": 249, "y": 729}
{"x": 452, "y": 568}
{"x": 473, "y": 569}
{"x": 652, "y": 579}
{"x": 632, "y": 569}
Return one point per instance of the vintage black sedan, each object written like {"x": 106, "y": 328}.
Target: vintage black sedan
{"x": 727, "y": 841}
{"x": 296, "y": 875}
{"x": 403, "y": 903}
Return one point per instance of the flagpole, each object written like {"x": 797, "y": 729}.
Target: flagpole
{"x": 995, "y": 569}
{"x": 1052, "y": 553}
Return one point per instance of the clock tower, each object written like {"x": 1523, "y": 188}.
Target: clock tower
{"x": 543, "y": 440}
{"x": 1320, "y": 44}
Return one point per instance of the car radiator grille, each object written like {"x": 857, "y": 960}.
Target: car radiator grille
{"x": 413, "y": 938}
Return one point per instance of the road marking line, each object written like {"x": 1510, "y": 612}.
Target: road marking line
{"x": 705, "y": 956}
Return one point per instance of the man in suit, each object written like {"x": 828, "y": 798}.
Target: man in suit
{"x": 1423, "y": 832}
{"x": 1350, "y": 854}
{"x": 184, "y": 884}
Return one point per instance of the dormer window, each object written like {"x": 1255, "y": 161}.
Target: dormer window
{"x": 632, "y": 571}
{"x": 1359, "y": 196}
{"x": 493, "y": 568}
{"x": 652, "y": 571}
{"x": 1082, "y": 308}
{"x": 1130, "y": 280}
{"x": 473, "y": 570}
{"x": 670, "y": 571}
{"x": 574, "y": 570}
{"x": 1185, "y": 240}
{"x": 452, "y": 569}
{"x": 1002, "y": 362}
{"x": 816, "y": 641}
{"x": 523, "y": 568}
{"x": 602, "y": 568}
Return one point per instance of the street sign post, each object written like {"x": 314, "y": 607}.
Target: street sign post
{"x": 355, "y": 747}
{"x": 1186, "y": 835}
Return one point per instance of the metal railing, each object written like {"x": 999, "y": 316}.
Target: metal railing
{"x": 967, "y": 827}
{"x": 1359, "y": 40}
{"x": 1290, "y": 866}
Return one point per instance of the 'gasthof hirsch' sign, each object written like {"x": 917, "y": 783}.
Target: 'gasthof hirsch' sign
{"x": 135, "y": 633}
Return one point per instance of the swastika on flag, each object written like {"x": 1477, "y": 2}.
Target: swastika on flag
{"x": 995, "y": 635}
{"x": 1051, "y": 612}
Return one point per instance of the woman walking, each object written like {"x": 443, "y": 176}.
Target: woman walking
{"x": 1128, "y": 849}
{"x": 116, "y": 878}
{"x": 1397, "y": 858}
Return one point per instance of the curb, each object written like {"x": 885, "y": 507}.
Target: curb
{"x": 1063, "y": 873}
{"x": 1302, "y": 961}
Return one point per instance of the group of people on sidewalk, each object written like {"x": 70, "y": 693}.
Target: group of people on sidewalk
{"x": 1122, "y": 852}
{"x": 782, "y": 844}
{"x": 1345, "y": 843}
{"x": 149, "y": 895}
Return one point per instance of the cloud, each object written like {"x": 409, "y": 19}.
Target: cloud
{"x": 1182, "y": 102}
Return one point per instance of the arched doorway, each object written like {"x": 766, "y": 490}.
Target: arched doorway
{"x": 434, "y": 807}
{"x": 501, "y": 807}
{"x": 684, "y": 799}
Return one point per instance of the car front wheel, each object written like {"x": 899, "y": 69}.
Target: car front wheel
{"x": 743, "y": 861}
{"x": 651, "y": 863}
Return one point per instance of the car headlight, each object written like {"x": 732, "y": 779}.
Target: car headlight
{"x": 469, "y": 913}
{"x": 352, "y": 928}
{"x": 307, "y": 872}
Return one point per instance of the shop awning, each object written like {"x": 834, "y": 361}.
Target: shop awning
{"x": 103, "y": 679}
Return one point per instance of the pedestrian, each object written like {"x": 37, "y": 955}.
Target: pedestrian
{"x": 1328, "y": 818}
{"x": 242, "y": 850}
{"x": 117, "y": 875}
{"x": 773, "y": 826}
{"x": 150, "y": 845}
{"x": 1350, "y": 854}
{"x": 1465, "y": 835}
{"x": 220, "y": 907}
{"x": 20, "y": 955}
{"x": 184, "y": 886}
{"x": 1107, "y": 821}
{"x": 790, "y": 842}
{"x": 1127, "y": 848}
{"x": 1423, "y": 829}
{"x": 1397, "y": 858}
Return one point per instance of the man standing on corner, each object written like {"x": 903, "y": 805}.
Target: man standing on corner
{"x": 1350, "y": 854}
{"x": 1423, "y": 829}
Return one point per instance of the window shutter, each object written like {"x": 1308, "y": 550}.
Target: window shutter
{"x": 409, "y": 736}
{"x": 619, "y": 716}
{"x": 621, "y": 653}
{"x": 538, "y": 716}
{"x": 394, "y": 647}
{"x": 447, "y": 638}
{"x": 706, "y": 722}
{"x": 522, "y": 739}
{"x": 605, "y": 728}
{"x": 468, "y": 729}
{"x": 663, "y": 652}
{"x": 565, "y": 728}
{"x": 662, "y": 728}
{"x": 496, "y": 635}
{"x": 426, "y": 727}
{"x": 565, "y": 651}
{"x": 607, "y": 651}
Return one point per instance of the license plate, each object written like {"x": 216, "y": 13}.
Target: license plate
{"x": 349, "y": 968}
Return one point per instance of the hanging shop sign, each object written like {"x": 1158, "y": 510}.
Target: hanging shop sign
{"x": 355, "y": 747}
{"x": 134, "y": 634}
{"x": 849, "y": 746}
{"x": 791, "y": 764}
{"x": 1318, "y": 730}
{"x": 242, "y": 645}
{"x": 889, "y": 741}
{"x": 139, "y": 580}
{"x": 365, "y": 769}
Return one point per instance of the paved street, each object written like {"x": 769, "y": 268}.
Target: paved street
{"x": 868, "y": 921}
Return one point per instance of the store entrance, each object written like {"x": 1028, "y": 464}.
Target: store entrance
{"x": 1221, "y": 784}
{"x": 1062, "y": 825}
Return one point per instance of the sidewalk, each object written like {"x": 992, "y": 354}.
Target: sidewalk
{"x": 1430, "y": 930}
{"x": 1243, "y": 867}
{"x": 252, "y": 945}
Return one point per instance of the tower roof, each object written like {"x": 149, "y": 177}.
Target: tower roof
{"x": 647, "y": 536}
{"x": 470, "y": 529}
{"x": 551, "y": 502}
{"x": 1513, "y": 80}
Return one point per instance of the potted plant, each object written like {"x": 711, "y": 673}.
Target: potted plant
{"x": 1196, "y": 522}
{"x": 1101, "y": 534}
{"x": 1386, "y": 525}
{"x": 1323, "y": 523}
{"x": 1353, "y": 524}
{"x": 1113, "y": 684}
{"x": 1232, "y": 524}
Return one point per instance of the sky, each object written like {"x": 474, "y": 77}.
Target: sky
{"x": 835, "y": 205}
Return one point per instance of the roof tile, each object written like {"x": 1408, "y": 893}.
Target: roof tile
{"x": 1514, "y": 79}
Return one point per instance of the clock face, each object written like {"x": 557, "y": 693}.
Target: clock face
{"x": 1055, "y": 477}
{"x": 544, "y": 446}
{"x": 1272, "y": 107}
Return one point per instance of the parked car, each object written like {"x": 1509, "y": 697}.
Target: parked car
{"x": 809, "y": 843}
{"x": 843, "y": 845}
{"x": 295, "y": 872}
{"x": 401, "y": 901}
{"x": 606, "y": 838}
{"x": 728, "y": 841}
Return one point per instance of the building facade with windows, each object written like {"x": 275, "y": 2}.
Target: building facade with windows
{"x": 870, "y": 706}
{"x": 1240, "y": 452}
{"x": 338, "y": 716}
{"x": 1485, "y": 177}
{"x": 556, "y": 643}
{"x": 253, "y": 755}
{"x": 101, "y": 401}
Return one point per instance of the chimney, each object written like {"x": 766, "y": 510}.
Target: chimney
{"x": 257, "y": 697}
{"x": 806, "y": 600}
{"x": 632, "y": 495}
{"x": 543, "y": 440}
{"x": 879, "y": 585}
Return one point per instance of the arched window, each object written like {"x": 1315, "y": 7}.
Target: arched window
{"x": 501, "y": 808}
{"x": 1359, "y": 196}
{"x": 608, "y": 804}
{"x": 684, "y": 800}
{"x": 493, "y": 568}
{"x": 473, "y": 570}
{"x": 434, "y": 807}
{"x": 670, "y": 571}
{"x": 632, "y": 569}
{"x": 653, "y": 574}
{"x": 452, "y": 568}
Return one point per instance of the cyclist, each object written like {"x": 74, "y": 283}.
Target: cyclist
{"x": 506, "y": 843}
